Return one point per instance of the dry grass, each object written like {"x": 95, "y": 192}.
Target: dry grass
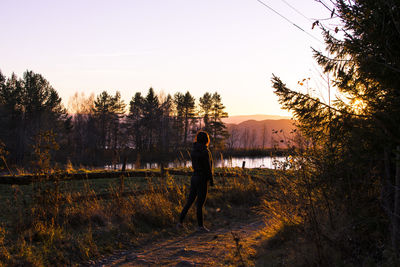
{"x": 43, "y": 225}
{"x": 308, "y": 225}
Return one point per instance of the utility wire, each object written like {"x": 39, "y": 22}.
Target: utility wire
{"x": 319, "y": 73}
{"x": 294, "y": 24}
{"x": 325, "y": 5}
{"x": 298, "y": 12}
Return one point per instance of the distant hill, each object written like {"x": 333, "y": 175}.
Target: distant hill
{"x": 258, "y": 117}
{"x": 256, "y": 134}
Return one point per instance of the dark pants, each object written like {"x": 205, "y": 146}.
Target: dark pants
{"x": 198, "y": 188}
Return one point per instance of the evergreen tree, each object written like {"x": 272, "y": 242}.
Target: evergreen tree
{"x": 185, "y": 106}
{"x": 205, "y": 104}
{"x": 29, "y": 106}
{"x": 151, "y": 118}
{"x": 218, "y": 129}
{"x": 118, "y": 127}
{"x": 179, "y": 116}
{"x": 189, "y": 114}
{"x": 136, "y": 116}
{"x": 354, "y": 143}
{"x": 366, "y": 66}
{"x": 11, "y": 113}
{"x": 108, "y": 111}
{"x": 166, "y": 129}
{"x": 103, "y": 117}
{"x": 185, "y": 114}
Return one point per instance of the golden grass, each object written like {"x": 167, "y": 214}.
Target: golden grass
{"x": 50, "y": 228}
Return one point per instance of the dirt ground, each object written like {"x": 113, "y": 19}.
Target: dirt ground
{"x": 232, "y": 245}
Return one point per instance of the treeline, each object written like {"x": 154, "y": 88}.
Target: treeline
{"x": 102, "y": 129}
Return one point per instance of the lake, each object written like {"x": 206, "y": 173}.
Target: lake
{"x": 250, "y": 162}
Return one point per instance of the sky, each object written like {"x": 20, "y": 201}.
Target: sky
{"x": 228, "y": 46}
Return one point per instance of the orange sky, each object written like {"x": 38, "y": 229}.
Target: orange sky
{"x": 229, "y": 46}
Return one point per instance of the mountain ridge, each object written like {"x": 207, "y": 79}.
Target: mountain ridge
{"x": 260, "y": 133}
{"x": 257, "y": 117}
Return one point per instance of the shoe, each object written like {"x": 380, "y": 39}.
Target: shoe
{"x": 202, "y": 229}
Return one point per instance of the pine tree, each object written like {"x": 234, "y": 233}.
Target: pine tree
{"x": 166, "y": 129}
{"x": 108, "y": 111}
{"x": 118, "y": 126}
{"x": 348, "y": 135}
{"x": 189, "y": 114}
{"x": 366, "y": 65}
{"x": 179, "y": 116}
{"x": 11, "y": 113}
{"x": 185, "y": 113}
{"x": 29, "y": 106}
{"x": 135, "y": 116}
{"x": 151, "y": 118}
{"x": 218, "y": 129}
{"x": 103, "y": 116}
{"x": 205, "y": 110}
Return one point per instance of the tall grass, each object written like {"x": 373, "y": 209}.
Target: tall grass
{"x": 318, "y": 218}
{"x": 53, "y": 223}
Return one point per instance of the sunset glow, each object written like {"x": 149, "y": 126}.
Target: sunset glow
{"x": 199, "y": 133}
{"x": 232, "y": 47}
{"x": 358, "y": 105}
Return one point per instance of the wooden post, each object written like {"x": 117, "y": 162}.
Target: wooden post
{"x": 244, "y": 164}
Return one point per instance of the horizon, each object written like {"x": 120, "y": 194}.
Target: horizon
{"x": 238, "y": 119}
{"x": 132, "y": 46}
{"x": 124, "y": 118}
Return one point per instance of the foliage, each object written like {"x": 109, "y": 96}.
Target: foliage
{"x": 205, "y": 110}
{"x": 217, "y": 127}
{"x": 334, "y": 186}
{"x": 212, "y": 111}
{"x": 99, "y": 130}
{"x": 108, "y": 111}
{"x": 79, "y": 227}
{"x": 28, "y": 106}
{"x": 82, "y": 142}
{"x": 185, "y": 112}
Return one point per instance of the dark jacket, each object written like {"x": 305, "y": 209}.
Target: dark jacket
{"x": 202, "y": 162}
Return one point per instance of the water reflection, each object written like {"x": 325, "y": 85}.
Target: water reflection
{"x": 261, "y": 162}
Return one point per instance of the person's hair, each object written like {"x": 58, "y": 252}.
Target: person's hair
{"x": 202, "y": 137}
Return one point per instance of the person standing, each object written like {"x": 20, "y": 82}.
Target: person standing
{"x": 202, "y": 165}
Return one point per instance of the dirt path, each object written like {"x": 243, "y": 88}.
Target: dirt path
{"x": 215, "y": 248}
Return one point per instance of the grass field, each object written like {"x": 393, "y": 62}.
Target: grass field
{"x": 59, "y": 222}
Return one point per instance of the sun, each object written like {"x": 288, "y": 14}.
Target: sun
{"x": 358, "y": 105}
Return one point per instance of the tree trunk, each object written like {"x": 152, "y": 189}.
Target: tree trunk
{"x": 396, "y": 212}
{"x": 186, "y": 130}
{"x": 387, "y": 193}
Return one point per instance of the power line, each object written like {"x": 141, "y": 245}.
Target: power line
{"x": 295, "y": 9}
{"x": 288, "y": 20}
{"x": 326, "y": 6}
